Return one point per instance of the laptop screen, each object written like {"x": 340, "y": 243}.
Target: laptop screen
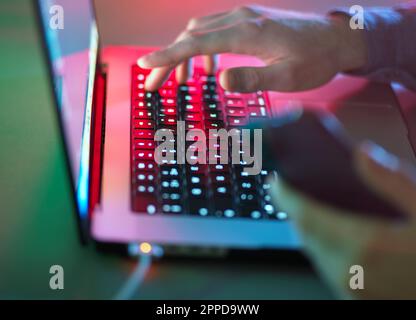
{"x": 71, "y": 36}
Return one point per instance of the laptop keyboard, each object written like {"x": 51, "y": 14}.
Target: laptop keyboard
{"x": 205, "y": 190}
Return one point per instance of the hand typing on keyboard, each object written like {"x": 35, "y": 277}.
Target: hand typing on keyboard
{"x": 299, "y": 51}
{"x": 302, "y": 52}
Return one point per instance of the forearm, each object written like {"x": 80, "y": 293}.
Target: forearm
{"x": 390, "y": 36}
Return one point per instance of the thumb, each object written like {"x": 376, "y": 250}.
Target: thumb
{"x": 277, "y": 77}
{"x": 389, "y": 177}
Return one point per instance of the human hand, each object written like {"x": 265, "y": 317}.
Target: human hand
{"x": 300, "y": 51}
{"x": 335, "y": 240}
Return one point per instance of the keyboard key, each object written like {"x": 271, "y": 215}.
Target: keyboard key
{"x": 143, "y": 155}
{"x": 196, "y": 169}
{"x": 170, "y": 171}
{"x": 221, "y": 190}
{"x": 219, "y": 168}
{"x": 193, "y": 117}
{"x": 196, "y": 180}
{"x": 169, "y": 84}
{"x": 146, "y": 203}
{"x": 250, "y": 210}
{"x": 212, "y": 106}
{"x": 253, "y": 102}
{"x": 209, "y": 87}
{"x": 213, "y": 115}
{"x": 257, "y": 112}
{"x": 170, "y": 197}
{"x": 144, "y": 124}
{"x": 214, "y": 124}
{"x": 236, "y": 122}
{"x": 167, "y": 121}
{"x": 236, "y": 103}
{"x": 146, "y": 105}
{"x": 217, "y": 190}
{"x": 192, "y": 98}
{"x": 211, "y": 97}
{"x": 140, "y": 95}
{"x": 169, "y": 111}
{"x": 172, "y": 208}
{"x": 168, "y": 102}
{"x": 198, "y": 205}
{"x": 145, "y": 176}
{"x": 193, "y": 107}
{"x": 220, "y": 178}
{"x": 269, "y": 208}
{"x": 208, "y": 79}
{"x": 233, "y": 95}
{"x": 140, "y": 77}
{"x": 142, "y": 114}
{"x": 143, "y": 134}
{"x": 140, "y": 86}
{"x": 223, "y": 204}
{"x": 190, "y": 89}
{"x": 236, "y": 112}
{"x": 143, "y": 165}
{"x": 143, "y": 144}
{"x": 194, "y": 125}
{"x": 167, "y": 93}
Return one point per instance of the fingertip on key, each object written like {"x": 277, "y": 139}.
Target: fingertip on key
{"x": 143, "y": 62}
{"x": 150, "y": 86}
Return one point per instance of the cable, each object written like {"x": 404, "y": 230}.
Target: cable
{"x": 135, "y": 280}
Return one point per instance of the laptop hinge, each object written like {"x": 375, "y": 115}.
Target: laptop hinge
{"x": 97, "y": 138}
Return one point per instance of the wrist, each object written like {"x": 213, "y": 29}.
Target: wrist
{"x": 351, "y": 46}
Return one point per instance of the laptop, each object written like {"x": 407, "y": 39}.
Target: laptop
{"x": 122, "y": 194}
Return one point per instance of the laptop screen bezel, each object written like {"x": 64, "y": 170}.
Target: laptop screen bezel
{"x": 83, "y": 221}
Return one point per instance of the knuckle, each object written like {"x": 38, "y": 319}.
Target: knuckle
{"x": 244, "y": 11}
{"x": 192, "y": 23}
{"x": 189, "y": 35}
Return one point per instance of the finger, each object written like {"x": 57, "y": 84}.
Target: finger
{"x": 183, "y": 71}
{"x": 393, "y": 179}
{"x": 157, "y": 78}
{"x": 193, "y": 45}
{"x": 277, "y": 77}
{"x": 210, "y": 64}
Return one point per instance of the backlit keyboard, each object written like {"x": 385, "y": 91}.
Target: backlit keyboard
{"x": 206, "y": 190}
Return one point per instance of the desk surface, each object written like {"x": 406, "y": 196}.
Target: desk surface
{"x": 37, "y": 228}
